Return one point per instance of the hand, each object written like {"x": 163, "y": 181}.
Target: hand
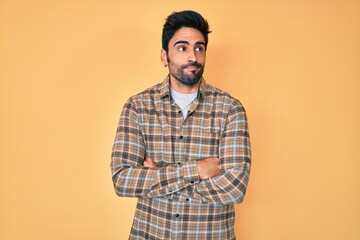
{"x": 148, "y": 162}
{"x": 208, "y": 167}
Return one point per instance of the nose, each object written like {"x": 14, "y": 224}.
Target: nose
{"x": 192, "y": 56}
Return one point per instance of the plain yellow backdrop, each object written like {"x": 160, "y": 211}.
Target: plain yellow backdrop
{"x": 67, "y": 68}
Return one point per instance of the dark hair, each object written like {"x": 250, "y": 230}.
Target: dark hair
{"x": 187, "y": 18}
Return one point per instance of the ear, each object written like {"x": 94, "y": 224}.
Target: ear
{"x": 163, "y": 57}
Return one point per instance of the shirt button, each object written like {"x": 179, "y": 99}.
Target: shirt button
{"x": 181, "y": 137}
{"x": 187, "y": 199}
{"x": 170, "y": 190}
{"x": 192, "y": 182}
{"x": 177, "y": 215}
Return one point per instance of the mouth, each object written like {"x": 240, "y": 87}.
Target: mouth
{"x": 193, "y": 68}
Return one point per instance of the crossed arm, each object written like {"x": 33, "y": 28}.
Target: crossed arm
{"x": 207, "y": 168}
{"x": 135, "y": 175}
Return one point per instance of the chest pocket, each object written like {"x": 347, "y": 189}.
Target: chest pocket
{"x": 202, "y": 139}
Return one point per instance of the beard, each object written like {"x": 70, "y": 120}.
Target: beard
{"x": 187, "y": 79}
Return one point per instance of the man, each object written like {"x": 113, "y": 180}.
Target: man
{"x": 182, "y": 146}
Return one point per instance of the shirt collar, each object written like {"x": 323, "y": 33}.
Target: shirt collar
{"x": 165, "y": 88}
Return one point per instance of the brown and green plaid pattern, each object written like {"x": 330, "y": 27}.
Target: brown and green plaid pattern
{"x": 173, "y": 203}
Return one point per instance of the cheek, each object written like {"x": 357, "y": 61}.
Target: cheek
{"x": 177, "y": 57}
{"x": 173, "y": 68}
{"x": 201, "y": 58}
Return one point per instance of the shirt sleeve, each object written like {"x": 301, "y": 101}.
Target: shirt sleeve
{"x": 130, "y": 177}
{"x": 235, "y": 158}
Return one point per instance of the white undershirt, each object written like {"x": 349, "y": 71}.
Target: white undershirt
{"x": 183, "y": 100}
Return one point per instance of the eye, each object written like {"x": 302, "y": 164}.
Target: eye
{"x": 182, "y": 49}
{"x": 200, "y": 49}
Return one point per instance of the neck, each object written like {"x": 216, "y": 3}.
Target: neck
{"x": 183, "y": 88}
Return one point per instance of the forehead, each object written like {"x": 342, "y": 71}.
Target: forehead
{"x": 191, "y": 35}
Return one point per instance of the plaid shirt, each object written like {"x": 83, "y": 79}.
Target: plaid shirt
{"x": 173, "y": 203}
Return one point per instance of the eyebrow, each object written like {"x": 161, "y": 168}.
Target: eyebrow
{"x": 187, "y": 43}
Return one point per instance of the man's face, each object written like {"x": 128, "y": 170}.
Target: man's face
{"x": 186, "y": 56}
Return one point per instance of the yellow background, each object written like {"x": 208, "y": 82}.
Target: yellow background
{"x": 67, "y": 67}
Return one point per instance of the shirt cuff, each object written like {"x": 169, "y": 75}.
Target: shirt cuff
{"x": 189, "y": 172}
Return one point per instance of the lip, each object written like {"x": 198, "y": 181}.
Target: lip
{"x": 192, "y": 68}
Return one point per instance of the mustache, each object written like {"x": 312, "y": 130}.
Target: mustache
{"x": 193, "y": 64}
